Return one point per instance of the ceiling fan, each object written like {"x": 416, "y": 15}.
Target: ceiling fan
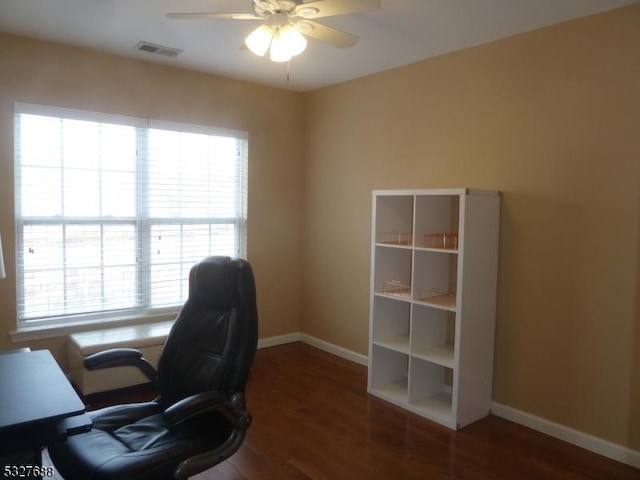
{"x": 285, "y": 23}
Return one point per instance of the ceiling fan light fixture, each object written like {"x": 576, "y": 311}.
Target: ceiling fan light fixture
{"x": 279, "y": 49}
{"x": 287, "y": 42}
{"x": 259, "y": 40}
{"x": 286, "y": 22}
{"x": 294, "y": 40}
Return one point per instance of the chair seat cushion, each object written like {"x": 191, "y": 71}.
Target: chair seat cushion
{"x": 112, "y": 418}
{"x": 125, "y": 443}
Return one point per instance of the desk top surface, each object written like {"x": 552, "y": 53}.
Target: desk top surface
{"x": 34, "y": 389}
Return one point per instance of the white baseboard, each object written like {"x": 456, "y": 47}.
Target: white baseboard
{"x": 569, "y": 435}
{"x": 279, "y": 340}
{"x": 335, "y": 349}
{"x": 580, "y": 439}
{"x": 314, "y": 342}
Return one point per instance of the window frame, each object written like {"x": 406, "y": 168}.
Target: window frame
{"x": 142, "y": 221}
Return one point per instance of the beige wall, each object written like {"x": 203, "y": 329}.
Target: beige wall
{"x": 551, "y": 118}
{"x": 43, "y": 73}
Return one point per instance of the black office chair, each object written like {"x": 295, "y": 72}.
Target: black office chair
{"x": 200, "y": 418}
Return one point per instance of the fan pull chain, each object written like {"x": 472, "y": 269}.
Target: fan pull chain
{"x": 288, "y": 70}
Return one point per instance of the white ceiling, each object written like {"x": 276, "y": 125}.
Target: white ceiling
{"x": 402, "y": 32}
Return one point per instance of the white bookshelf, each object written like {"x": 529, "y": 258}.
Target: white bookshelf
{"x": 434, "y": 259}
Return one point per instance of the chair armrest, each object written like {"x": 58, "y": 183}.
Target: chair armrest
{"x": 121, "y": 357}
{"x": 232, "y": 408}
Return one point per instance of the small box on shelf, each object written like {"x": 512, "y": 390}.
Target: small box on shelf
{"x": 396, "y": 287}
{"x": 441, "y": 240}
{"x": 396, "y": 237}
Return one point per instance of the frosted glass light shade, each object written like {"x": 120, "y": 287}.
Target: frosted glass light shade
{"x": 279, "y": 49}
{"x": 285, "y": 42}
{"x": 295, "y": 41}
{"x": 259, "y": 40}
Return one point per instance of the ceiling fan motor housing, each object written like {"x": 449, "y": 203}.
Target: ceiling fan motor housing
{"x": 266, "y": 7}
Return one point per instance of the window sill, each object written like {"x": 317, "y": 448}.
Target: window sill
{"x": 43, "y": 332}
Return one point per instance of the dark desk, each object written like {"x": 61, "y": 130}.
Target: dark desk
{"x": 38, "y": 405}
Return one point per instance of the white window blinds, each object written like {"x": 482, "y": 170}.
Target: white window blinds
{"x": 112, "y": 211}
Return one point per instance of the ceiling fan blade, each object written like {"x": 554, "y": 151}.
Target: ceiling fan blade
{"x": 326, "y": 34}
{"x": 233, "y": 16}
{"x": 330, "y": 8}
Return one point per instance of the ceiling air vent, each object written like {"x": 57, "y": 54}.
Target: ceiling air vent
{"x": 158, "y": 49}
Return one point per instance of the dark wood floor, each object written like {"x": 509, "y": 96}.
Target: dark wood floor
{"x": 314, "y": 420}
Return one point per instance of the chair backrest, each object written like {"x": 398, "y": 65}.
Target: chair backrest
{"x": 213, "y": 341}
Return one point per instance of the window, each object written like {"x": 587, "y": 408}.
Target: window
{"x": 112, "y": 211}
